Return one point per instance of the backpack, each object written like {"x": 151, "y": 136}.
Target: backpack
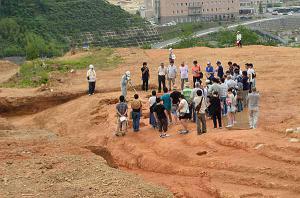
{"x": 198, "y": 107}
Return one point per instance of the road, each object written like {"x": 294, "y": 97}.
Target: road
{"x": 167, "y": 43}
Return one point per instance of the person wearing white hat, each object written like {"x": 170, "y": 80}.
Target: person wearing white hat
{"x": 124, "y": 81}
{"x": 91, "y": 77}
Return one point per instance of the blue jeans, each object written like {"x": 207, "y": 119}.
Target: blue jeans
{"x": 136, "y": 121}
{"x": 224, "y": 110}
{"x": 152, "y": 120}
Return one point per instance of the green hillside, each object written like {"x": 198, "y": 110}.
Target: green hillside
{"x": 35, "y": 28}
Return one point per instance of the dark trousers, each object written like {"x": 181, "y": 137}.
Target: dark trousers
{"x": 145, "y": 84}
{"x": 92, "y": 87}
{"x": 196, "y": 79}
{"x": 163, "y": 124}
{"x": 215, "y": 116}
{"x": 161, "y": 80}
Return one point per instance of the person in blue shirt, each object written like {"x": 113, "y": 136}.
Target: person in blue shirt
{"x": 209, "y": 71}
{"x": 167, "y": 103}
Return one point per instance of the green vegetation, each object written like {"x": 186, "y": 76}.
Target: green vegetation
{"x": 187, "y": 29}
{"x": 225, "y": 38}
{"x": 38, "y": 28}
{"x": 36, "y": 72}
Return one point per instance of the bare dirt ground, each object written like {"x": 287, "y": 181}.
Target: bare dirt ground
{"x": 7, "y": 70}
{"x": 237, "y": 163}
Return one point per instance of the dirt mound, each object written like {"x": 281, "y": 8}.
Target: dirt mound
{"x": 7, "y": 70}
{"x": 221, "y": 163}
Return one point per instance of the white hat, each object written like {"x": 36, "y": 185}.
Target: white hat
{"x": 170, "y": 49}
{"x": 127, "y": 73}
{"x": 91, "y": 66}
{"x": 207, "y": 81}
{"x": 208, "y": 62}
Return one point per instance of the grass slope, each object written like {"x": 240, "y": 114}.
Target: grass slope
{"x": 46, "y": 23}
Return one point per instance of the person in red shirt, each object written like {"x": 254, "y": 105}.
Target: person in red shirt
{"x": 197, "y": 74}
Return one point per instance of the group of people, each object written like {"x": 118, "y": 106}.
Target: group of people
{"x": 213, "y": 92}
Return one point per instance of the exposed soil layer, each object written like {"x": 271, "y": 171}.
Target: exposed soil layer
{"x": 221, "y": 163}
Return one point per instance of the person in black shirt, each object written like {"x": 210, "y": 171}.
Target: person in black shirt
{"x": 160, "y": 114}
{"x": 215, "y": 108}
{"x": 175, "y": 95}
{"x": 145, "y": 76}
{"x": 246, "y": 88}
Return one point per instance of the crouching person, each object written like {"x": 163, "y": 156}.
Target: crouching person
{"x": 122, "y": 110}
{"x": 161, "y": 116}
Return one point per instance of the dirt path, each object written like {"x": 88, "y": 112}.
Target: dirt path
{"x": 237, "y": 163}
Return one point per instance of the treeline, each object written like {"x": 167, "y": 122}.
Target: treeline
{"x": 34, "y": 28}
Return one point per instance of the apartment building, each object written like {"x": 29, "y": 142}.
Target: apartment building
{"x": 192, "y": 10}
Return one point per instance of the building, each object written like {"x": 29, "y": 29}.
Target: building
{"x": 180, "y": 11}
{"x": 254, "y": 7}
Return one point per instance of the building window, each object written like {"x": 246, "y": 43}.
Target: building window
{"x": 181, "y": 11}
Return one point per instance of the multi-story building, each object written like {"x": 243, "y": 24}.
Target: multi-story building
{"x": 192, "y": 10}
{"x": 248, "y": 7}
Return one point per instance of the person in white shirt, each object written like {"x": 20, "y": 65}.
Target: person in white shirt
{"x": 184, "y": 74}
{"x": 253, "y": 108}
{"x": 251, "y": 75}
{"x": 223, "y": 95}
{"x": 230, "y": 82}
{"x": 231, "y": 103}
{"x": 91, "y": 77}
{"x": 171, "y": 74}
{"x": 172, "y": 56}
{"x": 200, "y": 108}
{"x": 183, "y": 111}
{"x": 162, "y": 72}
{"x": 239, "y": 39}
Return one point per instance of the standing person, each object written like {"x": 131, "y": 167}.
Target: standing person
{"x": 145, "y": 76}
{"x": 230, "y": 68}
{"x": 246, "y": 88}
{"x": 171, "y": 74}
{"x": 253, "y": 102}
{"x": 200, "y": 104}
{"x": 220, "y": 70}
{"x": 187, "y": 92}
{"x": 124, "y": 81}
{"x": 167, "y": 103}
{"x": 184, "y": 74}
{"x": 197, "y": 74}
{"x": 230, "y": 82}
{"x": 215, "y": 109}
{"x": 91, "y": 77}
{"x": 162, "y": 72}
{"x": 160, "y": 114}
{"x": 122, "y": 110}
{"x": 223, "y": 96}
{"x": 183, "y": 114}
{"x": 193, "y": 95}
{"x": 215, "y": 87}
{"x": 136, "y": 106}
{"x": 152, "y": 104}
{"x": 175, "y": 95}
{"x": 209, "y": 71}
{"x": 239, "y": 39}
{"x": 239, "y": 99}
{"x": 251, "y": 76}
{"x": 172, "y": 56}
{"x": 231, "y": 103}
